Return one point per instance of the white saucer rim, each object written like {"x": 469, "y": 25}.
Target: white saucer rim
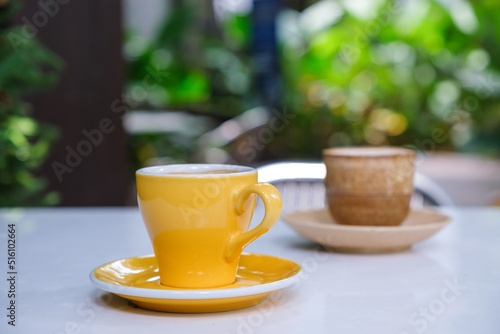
{"x": 194, "y": 294}
{"x": 368, "y": 228}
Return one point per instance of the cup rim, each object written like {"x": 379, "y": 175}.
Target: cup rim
{"x": 161, "y": 170}
{"x": 358, "y": 152}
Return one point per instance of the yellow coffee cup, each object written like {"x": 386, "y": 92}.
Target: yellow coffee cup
{"x": 197, "y": 217}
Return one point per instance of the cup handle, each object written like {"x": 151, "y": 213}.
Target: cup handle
{"x": 272, "y": 203}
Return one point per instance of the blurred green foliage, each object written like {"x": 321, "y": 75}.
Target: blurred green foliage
{"x": 416, "y": 72}
{"x": 197, "y": 67}
{"x": 201, "y": 70}
{"x": 25, "y": 67}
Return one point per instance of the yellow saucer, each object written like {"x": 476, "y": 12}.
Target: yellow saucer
{"x": 137, "y": 279}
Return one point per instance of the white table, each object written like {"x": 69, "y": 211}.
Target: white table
{"x": 447, "y": 284}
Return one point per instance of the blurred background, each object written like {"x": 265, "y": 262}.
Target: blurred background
{"x": 92, "y": 90}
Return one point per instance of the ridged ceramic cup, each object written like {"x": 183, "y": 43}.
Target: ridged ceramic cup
{"x": 369, "y": 185}
{"x": 197, "y": 217}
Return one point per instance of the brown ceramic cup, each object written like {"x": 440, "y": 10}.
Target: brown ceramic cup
{"x": 369, "y": 185}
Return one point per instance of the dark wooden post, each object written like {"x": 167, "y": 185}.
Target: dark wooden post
{"x": 88, "y": 163}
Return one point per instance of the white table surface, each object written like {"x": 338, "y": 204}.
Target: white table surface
{"x": 449, "y": 283}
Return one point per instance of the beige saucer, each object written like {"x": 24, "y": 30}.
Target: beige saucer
{"x": 318, "y": 226}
